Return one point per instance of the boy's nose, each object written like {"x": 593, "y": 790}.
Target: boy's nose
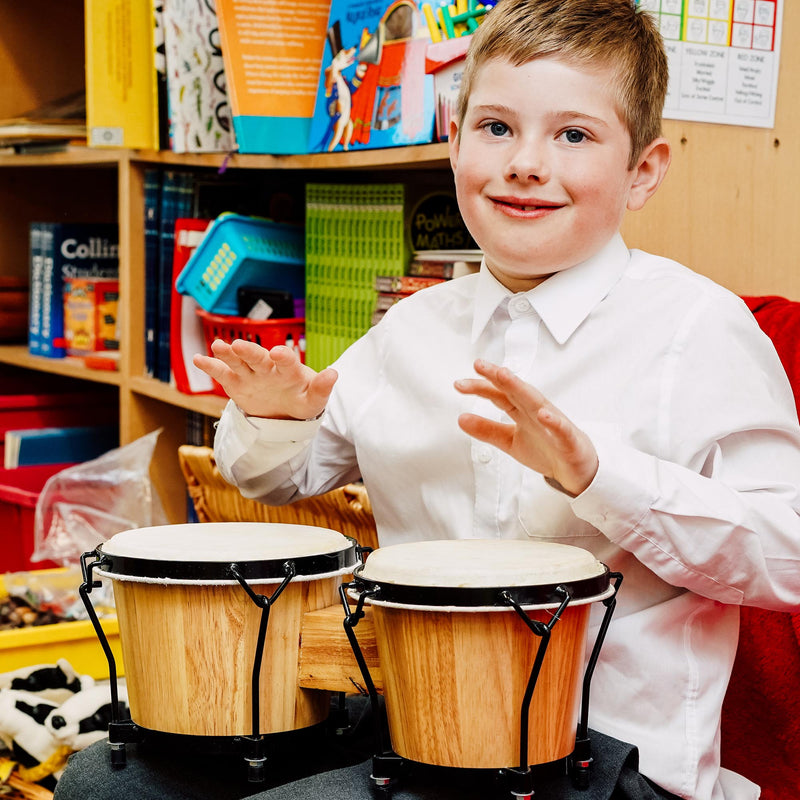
{"x": 527, "y": 162}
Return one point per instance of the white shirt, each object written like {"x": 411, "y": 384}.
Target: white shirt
{"x": 695, "y": 500}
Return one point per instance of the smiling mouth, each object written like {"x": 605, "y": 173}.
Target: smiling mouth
{"x": 525, "y": 208}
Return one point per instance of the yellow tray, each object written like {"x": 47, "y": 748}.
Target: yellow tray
{"x": 75, "y": 641}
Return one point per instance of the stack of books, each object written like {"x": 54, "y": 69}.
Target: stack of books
{"x": 60, "y": 253}
{"x": 426, "y": 268}
{"x": 354, "y": 233}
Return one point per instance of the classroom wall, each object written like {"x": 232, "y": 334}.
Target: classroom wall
{"x": 730, "y": 204}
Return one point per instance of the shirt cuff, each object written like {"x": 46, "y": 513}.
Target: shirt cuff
{"x": 249, "y": 428}
{"x": 622, "y": 492}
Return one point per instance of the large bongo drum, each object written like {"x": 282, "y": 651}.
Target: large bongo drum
{"x": 209, "y": 622}
{"x": 462, "y": 627}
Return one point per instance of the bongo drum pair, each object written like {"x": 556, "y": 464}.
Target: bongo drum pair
{"x": 481, "y": 643}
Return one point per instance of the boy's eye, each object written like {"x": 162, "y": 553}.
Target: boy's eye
{"x": 497, "y": 128}
{"x": 574, "y": 136}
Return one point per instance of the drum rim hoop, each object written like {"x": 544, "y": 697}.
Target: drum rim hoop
{"x": 542, "y": 595}
{"x": 318, "y": 564}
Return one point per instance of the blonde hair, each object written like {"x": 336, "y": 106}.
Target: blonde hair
{"x": 614, "y": 34}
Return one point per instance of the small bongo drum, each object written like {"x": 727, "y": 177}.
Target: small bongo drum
{"x": 209, "y": 622}
{"x": 462, "y": 628}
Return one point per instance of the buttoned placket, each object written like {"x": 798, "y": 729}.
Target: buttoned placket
{"x": 514, "y": 328}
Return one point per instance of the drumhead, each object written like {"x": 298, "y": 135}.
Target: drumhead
{"x": 204, "y": 552}
{"x": 474, "y": 572}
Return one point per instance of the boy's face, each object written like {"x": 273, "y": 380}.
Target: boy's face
{"x": 541, "y": 167}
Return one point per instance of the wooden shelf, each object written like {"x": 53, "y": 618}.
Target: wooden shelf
{"x": 71, "y": 157}
{"x": 19, "y": 356}
{"x": 427, "y": 156}
{"x": 209, "y": 404}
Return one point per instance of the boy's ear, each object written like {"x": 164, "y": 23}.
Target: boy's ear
{"x": 452, "y": 138}
{"x": 649, "y": 172}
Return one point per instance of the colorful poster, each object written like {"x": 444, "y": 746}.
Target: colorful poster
{"x": 723, "y": 58}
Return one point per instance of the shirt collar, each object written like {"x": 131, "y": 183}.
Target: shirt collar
{"x": 565, "y": 299}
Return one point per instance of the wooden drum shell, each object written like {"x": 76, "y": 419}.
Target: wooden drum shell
{"x": 454, "y": 683}
{"x": 189, "y": 650}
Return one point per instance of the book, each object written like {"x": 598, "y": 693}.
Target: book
{"x": 71, "y": 250}
{"x": 444, "y": 263}
{"x": 160, "y": 65}
{"x": 90, "y": 316}
{"x": 199, "y": 113}
{"x": 186, "y": 334}
{"x": 272, "y": 64}
{"x": 50, "y": 326}
{"x": 372, "y": 89}
{"x": 35, "y": 284}
{"x": 152, "y": 229}
{"x": 404, "y": 284}
{"x": 57, "y": 445}
{"x": 121, "y": 86}
{"x": 356, "y": 233}
{"x": 63, "y": 119}
{"x": 176, "y": 202}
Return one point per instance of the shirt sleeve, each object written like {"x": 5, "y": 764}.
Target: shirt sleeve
{"x": 717, "y": 511}
{"x": 257, "y": 455}
{"x": 278, "y": 461}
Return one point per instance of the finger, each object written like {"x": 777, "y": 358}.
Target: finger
{"x": 213, "y": 367}
{"x": 480, "y": 388}
{"x": 520, "y": 393}
{"x": 226, "y": 354}
{"x": 321, "y": 386}
{"x": 563, "y": 434}
{"x": 499, "y": 434}
{"x": 253, "y": 355}
{"x": 284, "y": 356}
{"x": 516, "y": 404}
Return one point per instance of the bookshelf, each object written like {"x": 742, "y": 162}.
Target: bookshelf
{"x": 728, "y": 207}
{"x": 112, "y": 186}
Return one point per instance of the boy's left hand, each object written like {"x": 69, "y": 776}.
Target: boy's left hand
{"x": 540, "y": 436}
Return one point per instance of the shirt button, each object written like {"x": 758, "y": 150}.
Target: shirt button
{"x": 484, "y": 455}
{"x": 520, "y": 304}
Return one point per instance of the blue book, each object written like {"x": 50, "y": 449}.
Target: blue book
{"x": 62, "y": 445}
{"x": 72, "y": 250}
{"x": 152, "y": 232}
{"x": 176, "y": 202}
{"x": 35, "y": 292}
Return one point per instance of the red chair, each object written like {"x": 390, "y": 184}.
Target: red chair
{"x": 761, "y": 713}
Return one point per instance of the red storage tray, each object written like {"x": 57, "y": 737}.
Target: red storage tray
{"x": 268, "y": 333}
{"x": 19, "y": 491}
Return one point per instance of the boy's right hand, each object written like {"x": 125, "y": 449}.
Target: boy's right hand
{"x": 267, "y": 383}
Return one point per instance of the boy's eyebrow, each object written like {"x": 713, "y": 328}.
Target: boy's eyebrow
{"x": 487, "y": 108}
{"x": 566, "y": 114}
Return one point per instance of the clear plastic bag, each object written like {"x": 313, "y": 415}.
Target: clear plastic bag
{"x": 85, "y": 505}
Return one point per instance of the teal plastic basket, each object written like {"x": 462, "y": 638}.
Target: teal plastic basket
{"x": 243, "y": 251}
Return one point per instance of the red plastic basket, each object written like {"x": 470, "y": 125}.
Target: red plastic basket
{"x": 268, "y": 333}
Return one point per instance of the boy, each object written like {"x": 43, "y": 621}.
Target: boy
{"x": 622, "y": 403}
